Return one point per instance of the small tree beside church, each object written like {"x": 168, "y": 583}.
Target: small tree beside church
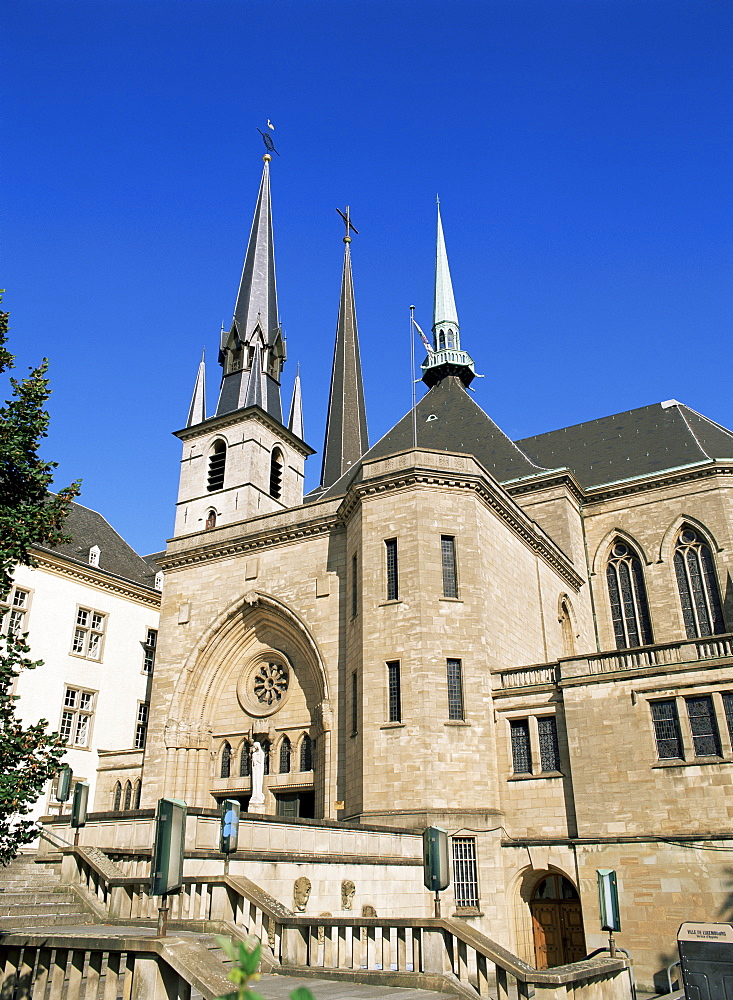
{"x": 29, "y": 515}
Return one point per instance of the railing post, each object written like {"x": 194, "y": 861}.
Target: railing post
{"x": 295, "y": 945}
{"x": 120, "y": 902}
{"x": 221, "y": 904}
{"x": 434, "y": 951}
{"x": 153, "y": 979}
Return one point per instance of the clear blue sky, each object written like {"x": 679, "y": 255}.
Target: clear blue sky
{"x": 581, "y": 149}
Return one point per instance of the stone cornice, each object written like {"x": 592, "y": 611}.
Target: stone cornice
{"x": 542, "y": 482}
{"x": 236, "y": 417}
{"x": 57, "y": 564}
{"x": 599, "y": 494}
{"x": 510, "y": 514}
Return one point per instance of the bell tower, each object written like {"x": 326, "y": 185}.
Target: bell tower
{"x": 243, "y": 461}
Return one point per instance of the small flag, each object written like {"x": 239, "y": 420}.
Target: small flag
{"x": 428, "y": 346}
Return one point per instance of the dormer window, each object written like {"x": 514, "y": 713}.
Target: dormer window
{"x": 217, "y": 465}
{"x": 158, "y": 581}
{"x": 276, "y": 473}
{"x": 94, "y": 554}
{"x": 235, "y": 359}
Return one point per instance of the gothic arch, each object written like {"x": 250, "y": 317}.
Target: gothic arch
{"x": 253, "y": 620}
{"x": 520, "y": 892}
{"x": 603, "y": 550}
{"x": 666, "y": 548}
{"x": 568, "y": 624}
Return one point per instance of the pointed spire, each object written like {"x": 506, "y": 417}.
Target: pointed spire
{"x": 295, "y": 423}
{"x": 444, "y": 304}
{"x": 253, "y": 396}
{"x": 448, "y": 358}
{"x": 197, "y": 409}
{"x": 255, "y": 317}
{"x": 346, "y": 427}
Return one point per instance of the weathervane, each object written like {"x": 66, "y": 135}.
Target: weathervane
{"x": 347, "y": 222}
{"x": 267, "y": 138}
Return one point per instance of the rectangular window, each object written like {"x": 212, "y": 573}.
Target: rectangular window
{"x": 393, "y": 688}
{"x": 354, "y": 588}
{"x": 76, "y": 716}
{"x": 391, "y": 550}
{"x": 88, "y": 633}
{"x": 703, "y": 726}
{"x": 16, "y": 611}
{"x": 354, "y": 703}
{"x": 521, "y": 752}
{"x": 667, "y": 729}
{"x": 728, "y": 709}
{"x": 549, "y": 748}
{"x": 141, "y": 726}
{"x": 448, "y": 556}
{"x": 465, "y": 875}
{"x": 151, "y": 641}
{"x": 455, "y": 690}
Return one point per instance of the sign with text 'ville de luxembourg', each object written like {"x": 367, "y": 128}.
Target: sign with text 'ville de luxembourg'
{"x": 706, "y": 958}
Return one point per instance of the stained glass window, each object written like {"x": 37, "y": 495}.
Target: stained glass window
{"x": 521, "y": 752}
{"x": 285, "y": 756}
{"x": 392, "y": 581}
{"x": 455, "y": 690}
{"x": 703, "y": 726}
{"x": 698, "y": 585}
{"x": 549, "y": 748}
{"x": 448, "y": 558}
{"x": 627, "y": 594}
{"x": 226, "y": 760}
{"x": 667, "y": 729}
{"x": 394, "y": 692}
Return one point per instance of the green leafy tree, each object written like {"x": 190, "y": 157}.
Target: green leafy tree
{"x": 29, "y": 515}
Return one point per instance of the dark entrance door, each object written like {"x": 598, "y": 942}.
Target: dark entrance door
{"x": 295, "y": 804}
{"x": 557, "y": 923}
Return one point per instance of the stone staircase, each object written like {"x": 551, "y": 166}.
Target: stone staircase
{"x": 31, "y": 896}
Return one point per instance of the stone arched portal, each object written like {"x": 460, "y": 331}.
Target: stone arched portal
{"x": 257, "y": 674}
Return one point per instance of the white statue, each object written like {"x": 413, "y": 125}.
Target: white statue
{"x": 257, "y": 800}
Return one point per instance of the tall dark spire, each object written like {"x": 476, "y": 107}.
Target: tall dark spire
{"x": 256, "y": 321}
{"x": 346, "y": 426}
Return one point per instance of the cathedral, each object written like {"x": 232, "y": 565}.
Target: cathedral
{"x": 527, "y": 643}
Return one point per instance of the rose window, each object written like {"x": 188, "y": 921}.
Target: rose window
{"x": 270, "y": 683}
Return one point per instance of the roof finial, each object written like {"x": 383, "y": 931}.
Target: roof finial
{"x": 347, "y": 221}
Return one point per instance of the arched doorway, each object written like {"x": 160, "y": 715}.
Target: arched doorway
{"x": 557, "y": 922}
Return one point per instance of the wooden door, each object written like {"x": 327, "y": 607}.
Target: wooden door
{"x": 573, "y": 936}
{"x": 547, "y": 930}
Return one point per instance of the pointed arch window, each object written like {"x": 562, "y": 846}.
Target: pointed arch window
{"x": 306, "y": 753}
{"x": 117, "y": 800}
{"x": 138, "y": 793}
{"x": 266, "y": 748}
{"x": 217, "y": 466}
{"x": 226, "y": 761}
{"x": 276, "y": 473}
{"x": 566, "y": 626}
{"x": 627, "y": 594}
{"x": 128, "y": 796}
{"x": 450, "y": 340}
{"x": 441, "y": 340}
{"x": 697, "y": 582}
{"x": 285, "y": 749}
{"x": 244, "y": 770}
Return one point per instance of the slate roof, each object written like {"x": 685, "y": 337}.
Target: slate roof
{"x": 448, "y": 420}
{"x": 88, "y": 528}
{"x": 639, "y": 442}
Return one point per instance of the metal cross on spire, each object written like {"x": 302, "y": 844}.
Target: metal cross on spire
{"x": 347, "y": 222}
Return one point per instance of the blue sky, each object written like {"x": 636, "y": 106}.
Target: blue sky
{"x": 581, "y": 150}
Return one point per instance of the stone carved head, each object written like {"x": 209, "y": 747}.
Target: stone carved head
{"x": 301, "y": 892}
{"x": 368, "y": 911}
{"x": 347, "y": 893}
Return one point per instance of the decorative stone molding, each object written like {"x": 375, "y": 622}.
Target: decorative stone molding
{"x": 181, "y": 734}
{"x": 301, "y": 892}
{"x": 98, "y": 578}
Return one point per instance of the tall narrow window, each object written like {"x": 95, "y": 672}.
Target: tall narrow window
{"x": 703, "y": 726}
{"x": 728, "y": 709}
{"x": 465, "y": 874}
{"x": 667, "y": 729}
{"x": 217, "y": 466}
{"x": 455, "y": 689}
{"x": 141, "y": 725}
{"x": 285, "y": 749}
{"x": 244, "y": 761}
{"x": 266, "y": 748}
{"x": 226, "y": 761}
{"x": 16, "y": 614}
{"x": 138, "y": 793}
{"x": 149, "y": 646}
{"x": 698, "y": 585}
{"x": 441, "y": 341}
{"x": 76, "y": 717}
{"x": 521, "y": 752}
{"x": 306, "y": 753}
{"x": 354, "y": 703}
{"x": 276, "y": 473}
{"x": 128, "y": 796}
{"x": 393, "y": 691}
{"x": 390, "y": 547}
{"x": 448, "y": 557}
{"x": 117, "y": 800}
{"x": 566, "y": 626}
{"x": 627, "y": 594}
{"x": 549, "y": 747}
{"x": 88, "y": 633}
{"x": 354, "y": 587}
{"x": 210, "y": 520}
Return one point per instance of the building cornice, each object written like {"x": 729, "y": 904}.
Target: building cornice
{"x": 255, "y": 413}
{"x": 674, "y": 477}
{"x": 92, "y": 577}
{"x": 534, "y": 484}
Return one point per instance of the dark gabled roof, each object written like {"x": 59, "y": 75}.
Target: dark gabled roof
{"x": 86, "y": 529}
{"x": 448, "y": 420}
{"x": 635, "y": 443}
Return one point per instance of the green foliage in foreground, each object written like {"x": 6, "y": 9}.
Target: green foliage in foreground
{"x": 29, "y": 516}
{"x": 246, "y": 956}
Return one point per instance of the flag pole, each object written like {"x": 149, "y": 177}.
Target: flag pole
{"x": 412, "y": 367}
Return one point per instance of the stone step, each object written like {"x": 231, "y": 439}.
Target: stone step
{"x": 67, "y": 909}
{"x": 42, "y": 882}
{"x": 33, "y": 898}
